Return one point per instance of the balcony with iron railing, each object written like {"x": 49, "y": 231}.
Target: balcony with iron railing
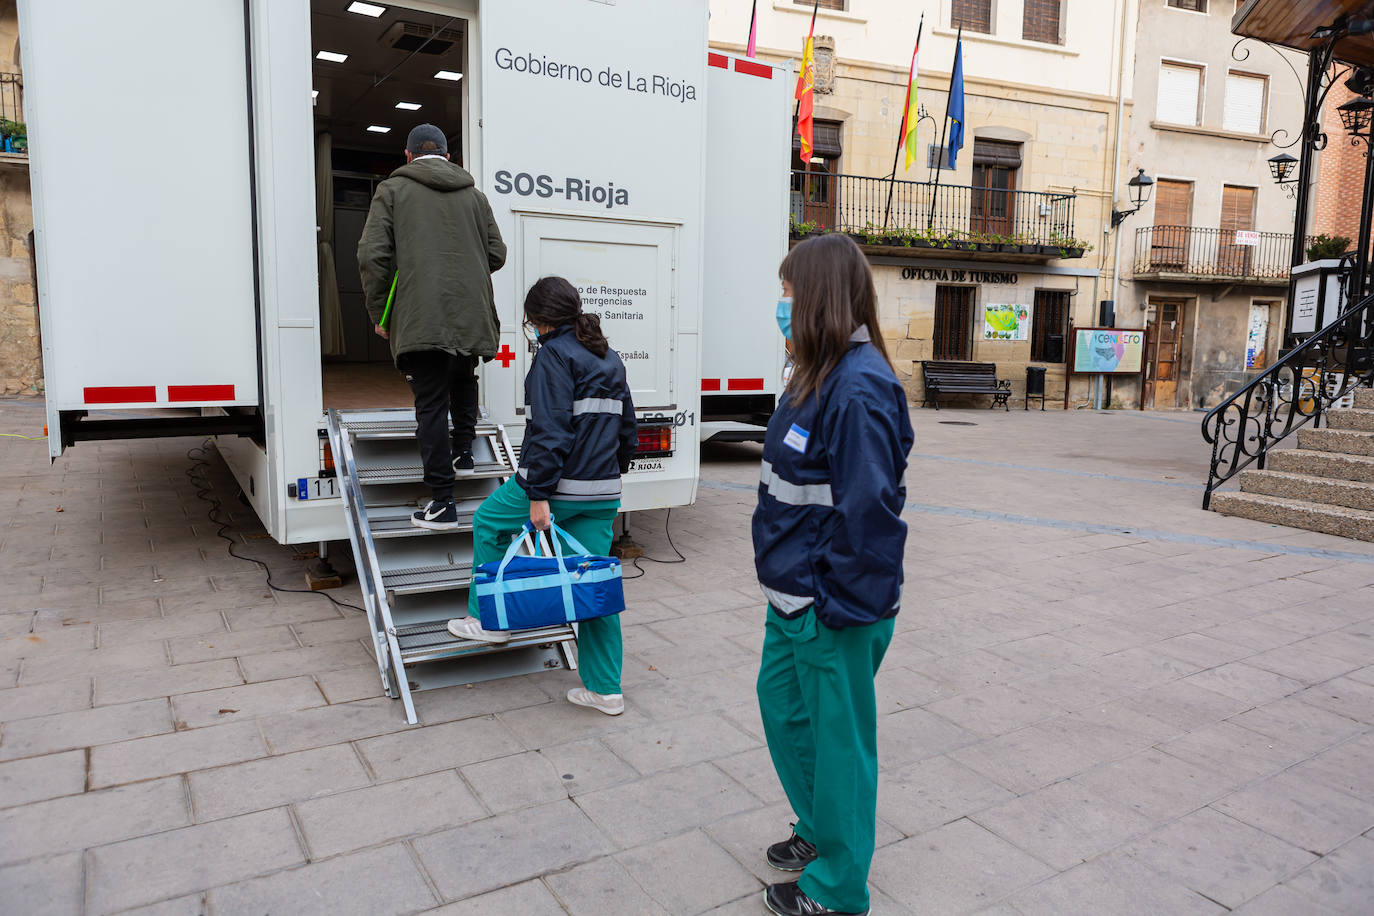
{"x": 950, "y": 220}
{"x": 1221, "y": 256}
{"x": 14, "y": 140}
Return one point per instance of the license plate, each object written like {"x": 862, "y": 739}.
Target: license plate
{"x": 317, "y": 487}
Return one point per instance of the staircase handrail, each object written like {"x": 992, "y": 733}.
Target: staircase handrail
{"x": 1288, "y": 395}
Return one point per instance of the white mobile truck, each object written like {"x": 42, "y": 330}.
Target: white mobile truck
{"x": 201, "y": 174}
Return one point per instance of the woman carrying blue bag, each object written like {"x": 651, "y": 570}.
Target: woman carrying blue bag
{"x": 579, "y": 438}
{"x": 828, "y": 543}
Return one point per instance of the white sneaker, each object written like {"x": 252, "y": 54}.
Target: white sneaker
{"x": 471, "y": 628}
{"x": 612, "y": 704}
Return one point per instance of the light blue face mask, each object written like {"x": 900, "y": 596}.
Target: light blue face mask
{"x": 785, "y": 317}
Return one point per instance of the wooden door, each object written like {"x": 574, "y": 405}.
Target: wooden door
{"x": 992, "y": 200}
{"x": 1237, "y": 215}
{"x": 1173, "y": 219}
{"x": 1163, "y": 359}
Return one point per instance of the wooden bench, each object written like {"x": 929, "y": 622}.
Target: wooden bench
{"x": 946, "y": 377}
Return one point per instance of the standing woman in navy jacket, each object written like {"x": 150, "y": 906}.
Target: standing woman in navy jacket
{"x": 828, "y": 542}
{"x": 579, "y": 438}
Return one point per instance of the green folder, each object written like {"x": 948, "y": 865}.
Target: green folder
{"x": 390, "y": 298}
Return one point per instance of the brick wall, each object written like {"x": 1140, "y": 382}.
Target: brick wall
{"x": 1340, "y": 174}
{"x": 1041, "y": 21}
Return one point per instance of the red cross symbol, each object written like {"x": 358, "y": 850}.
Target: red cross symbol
{"x": 506, "y": 356}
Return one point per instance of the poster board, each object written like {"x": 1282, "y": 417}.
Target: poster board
{"x": 1006, "y": 322}
{"x": 1107, "y": 351}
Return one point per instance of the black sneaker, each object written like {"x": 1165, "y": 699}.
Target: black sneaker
{"x": 437, "y": 516}
{"x": 792, "y": 854}
{"x": 464, "y": 464}
{"x": 790, "y": 900}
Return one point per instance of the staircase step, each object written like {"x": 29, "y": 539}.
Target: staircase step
{"x": 1336, "y": 520}
{"x": 432, "y": 641}
{"x": 1351, "y": 418}
{"x": 1323, "y": 464}
{"x": 1337, "y": 441}
{"x": 1307, "y": 488}
{"x": 1364, "y": 398}
{"x": 415, "y": 580}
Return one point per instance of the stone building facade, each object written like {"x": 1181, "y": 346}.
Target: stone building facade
{"x": 1045, "y": 84}
{"x": 21, "y": 360}
{"x": 1205, "y": 262}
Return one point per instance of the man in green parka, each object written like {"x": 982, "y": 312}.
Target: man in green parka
{"x": 426, "y": 257}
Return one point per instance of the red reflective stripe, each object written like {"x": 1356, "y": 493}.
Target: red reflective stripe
{"x": 121, "y": 394}
{"x": 710, "y": 384}
{"x": 746, "y": 384}
{"x": 718, "y": 60}
{"x": 753, "y": 68}
{"x": 200, "y": 392}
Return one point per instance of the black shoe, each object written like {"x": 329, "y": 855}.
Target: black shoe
{"x": 792, "y": 854}
{"x": 437, "y": 516}
{"x": 790, "y": 900}
{"x": 464, "y": 464}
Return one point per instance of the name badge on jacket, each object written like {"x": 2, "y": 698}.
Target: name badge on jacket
{"x": 796, "y": 438}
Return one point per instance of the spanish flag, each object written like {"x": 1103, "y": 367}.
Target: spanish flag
{"x": 911, "y": 116}
{"x": 806, "y": 91}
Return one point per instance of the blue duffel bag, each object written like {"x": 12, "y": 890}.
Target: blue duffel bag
{"x": 525, "y": 592}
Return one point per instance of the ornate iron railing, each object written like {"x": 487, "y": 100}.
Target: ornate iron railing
{"x": 1293, "y": 392}
{"x": 1197, "y": 252}
{"x": 855, "y": 203}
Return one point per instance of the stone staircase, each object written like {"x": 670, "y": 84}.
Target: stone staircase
{"x": 1326, "y": 484}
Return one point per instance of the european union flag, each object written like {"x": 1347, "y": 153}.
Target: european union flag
{"x": 956, "y": 105}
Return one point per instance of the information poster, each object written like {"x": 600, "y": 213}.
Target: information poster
{"x": 1102, "y": 351}
{"x": 1256, "y": 336}
{"x": 1006, "y": 322}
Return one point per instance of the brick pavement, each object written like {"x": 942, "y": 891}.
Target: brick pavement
{"x": 1099, "y": 700}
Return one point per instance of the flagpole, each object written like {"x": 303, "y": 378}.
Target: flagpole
{"x": 753, "y": 24}
{"x": 797, "y": 113}
{"x": 796, "y": 120}
{"x": 940, "y": 154}
{"x": 901, "y": 134}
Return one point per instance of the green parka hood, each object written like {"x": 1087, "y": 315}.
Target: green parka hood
{"x": 438, "y": 174}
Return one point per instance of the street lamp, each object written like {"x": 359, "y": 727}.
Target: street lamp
{"x": 1141, "y": 186}
{"x": 1281, "y": 167}
{"x": 1357, "y": 115}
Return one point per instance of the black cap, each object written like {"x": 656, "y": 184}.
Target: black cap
{"x": 427, "y": 140}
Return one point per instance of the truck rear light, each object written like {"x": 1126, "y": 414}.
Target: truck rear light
{"x": 655, "y": 441}
{"x": 327, "y": 459}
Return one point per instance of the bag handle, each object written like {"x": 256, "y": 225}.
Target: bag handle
{"x": 565, "y": 578}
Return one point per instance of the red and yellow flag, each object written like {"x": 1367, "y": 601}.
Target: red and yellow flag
{"x": 911, "y": 116}
{"x": 806, "y": 92}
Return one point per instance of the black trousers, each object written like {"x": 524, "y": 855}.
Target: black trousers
{"x": 444, "y": 386}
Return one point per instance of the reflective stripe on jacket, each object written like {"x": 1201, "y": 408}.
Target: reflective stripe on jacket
{"x": 828, "y": 529}
{"x": 580, "y": 430}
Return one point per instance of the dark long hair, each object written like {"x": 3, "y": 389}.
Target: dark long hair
{"x": 554, "y": 302}
{"x": 832, "y": 297}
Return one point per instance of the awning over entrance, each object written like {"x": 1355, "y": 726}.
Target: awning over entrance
{"x": 1294, "y": 23}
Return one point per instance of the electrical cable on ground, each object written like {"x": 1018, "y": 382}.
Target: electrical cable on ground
{"x": 204, "y": 491}
{"x": 25, "y": 438}
{"x": 667, "y": 520}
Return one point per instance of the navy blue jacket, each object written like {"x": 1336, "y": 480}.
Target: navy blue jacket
{"x": 580, "y": 427}
{"x": 828, "y": 529}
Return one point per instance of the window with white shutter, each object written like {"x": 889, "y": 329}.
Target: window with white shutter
{"x": 1180, "y": 89}
{"x": 1244, "y": 103}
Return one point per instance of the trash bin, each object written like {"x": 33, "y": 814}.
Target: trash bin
{"x": 1035, "y": 385}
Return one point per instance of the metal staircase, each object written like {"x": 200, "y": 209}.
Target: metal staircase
{"x": 415, "y": 580}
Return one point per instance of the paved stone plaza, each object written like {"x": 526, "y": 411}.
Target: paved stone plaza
{"x": 1100, "y": 700}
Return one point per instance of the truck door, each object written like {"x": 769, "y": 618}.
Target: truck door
{"x": 624, "y": 273}
{"x": 143, "y": 204}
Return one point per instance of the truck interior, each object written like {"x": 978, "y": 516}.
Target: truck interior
{"x": 378, "y": 70}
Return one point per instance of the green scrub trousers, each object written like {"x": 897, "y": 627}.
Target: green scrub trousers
{"x": 820, "y": 717}
{"x": 501, "y": 516}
